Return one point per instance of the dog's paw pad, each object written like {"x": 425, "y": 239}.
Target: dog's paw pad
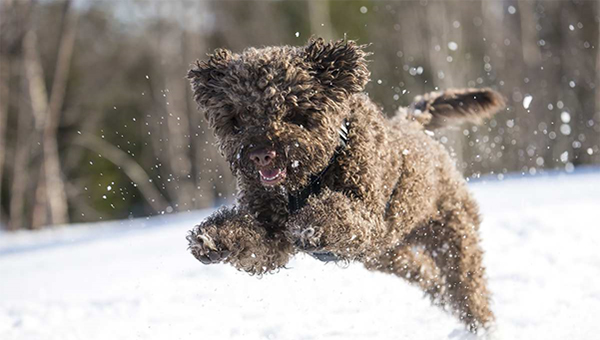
{"x": 211, "y": 256}
{"x": 203, "y": 259}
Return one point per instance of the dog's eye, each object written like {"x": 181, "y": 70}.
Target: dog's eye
{"x": 236, "y": 126}
{"x": 298, "y": 119}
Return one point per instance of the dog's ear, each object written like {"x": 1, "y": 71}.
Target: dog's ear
{"x": 206, "y": 78}
{"x": 454, "y": 106}
{"x": 340, "y": 67}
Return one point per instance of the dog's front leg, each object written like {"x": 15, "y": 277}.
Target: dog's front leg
{"x": 334, "y": 223}
{"x": 232, "y": 235}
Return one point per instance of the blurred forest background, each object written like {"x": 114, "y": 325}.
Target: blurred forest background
{"x": 97, "y": 120}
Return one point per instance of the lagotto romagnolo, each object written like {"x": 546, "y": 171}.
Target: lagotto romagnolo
{"x": 321, "y": 170}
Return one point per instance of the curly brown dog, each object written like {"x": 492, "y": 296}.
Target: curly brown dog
{"x": 321, "y": 170}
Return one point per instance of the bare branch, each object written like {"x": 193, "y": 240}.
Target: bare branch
{"x": 131, "y": 168}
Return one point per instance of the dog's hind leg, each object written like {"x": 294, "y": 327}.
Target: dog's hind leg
{"x": 412, "y": 263}
{"x": 453, "y": 246}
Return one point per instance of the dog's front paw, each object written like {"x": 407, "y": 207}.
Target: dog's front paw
{"x": 204, "y": 245}
{"x": 310, "y": 238}
{"x": 307, "y": 228}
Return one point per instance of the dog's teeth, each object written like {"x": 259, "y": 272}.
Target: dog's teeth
{"x": 271, "y": 178}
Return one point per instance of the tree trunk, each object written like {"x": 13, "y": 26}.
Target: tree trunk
{"x": 56, "y": 193}
{"x": 320, "y": 21}
{"x": 4, "y": 99}
{"x": 21, "y": 168}
{"x": 176, "y": 92}
{"x": 595, "y": 143}
{"x": 47, "y": 117}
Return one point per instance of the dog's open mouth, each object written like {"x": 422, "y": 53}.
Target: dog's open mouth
{"x": 272, "y": 176}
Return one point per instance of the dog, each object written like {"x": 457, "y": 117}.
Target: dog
{"x": 321, "y": 170}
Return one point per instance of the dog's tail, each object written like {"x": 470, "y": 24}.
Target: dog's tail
{"x": 451, "y": 107}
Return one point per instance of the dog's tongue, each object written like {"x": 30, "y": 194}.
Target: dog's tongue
{"x": 269, "y": 173}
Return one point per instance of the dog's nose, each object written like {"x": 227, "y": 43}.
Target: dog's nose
{"x": 262, "y": 157}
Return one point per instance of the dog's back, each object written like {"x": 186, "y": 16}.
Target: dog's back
{"x": 432, "y": 220}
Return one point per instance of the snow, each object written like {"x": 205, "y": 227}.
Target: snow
{"x": 134, "y": 279}
{"x": 527, "y": 101}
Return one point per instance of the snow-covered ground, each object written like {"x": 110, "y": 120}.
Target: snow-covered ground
{"x": 135, "y": 280}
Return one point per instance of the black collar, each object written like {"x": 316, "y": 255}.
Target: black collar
{"x": 297, "y": 199}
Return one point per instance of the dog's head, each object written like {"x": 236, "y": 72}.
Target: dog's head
{"x": 276, "y": 111}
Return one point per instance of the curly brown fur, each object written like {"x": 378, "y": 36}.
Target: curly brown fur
{"x": 391, "y": 199}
